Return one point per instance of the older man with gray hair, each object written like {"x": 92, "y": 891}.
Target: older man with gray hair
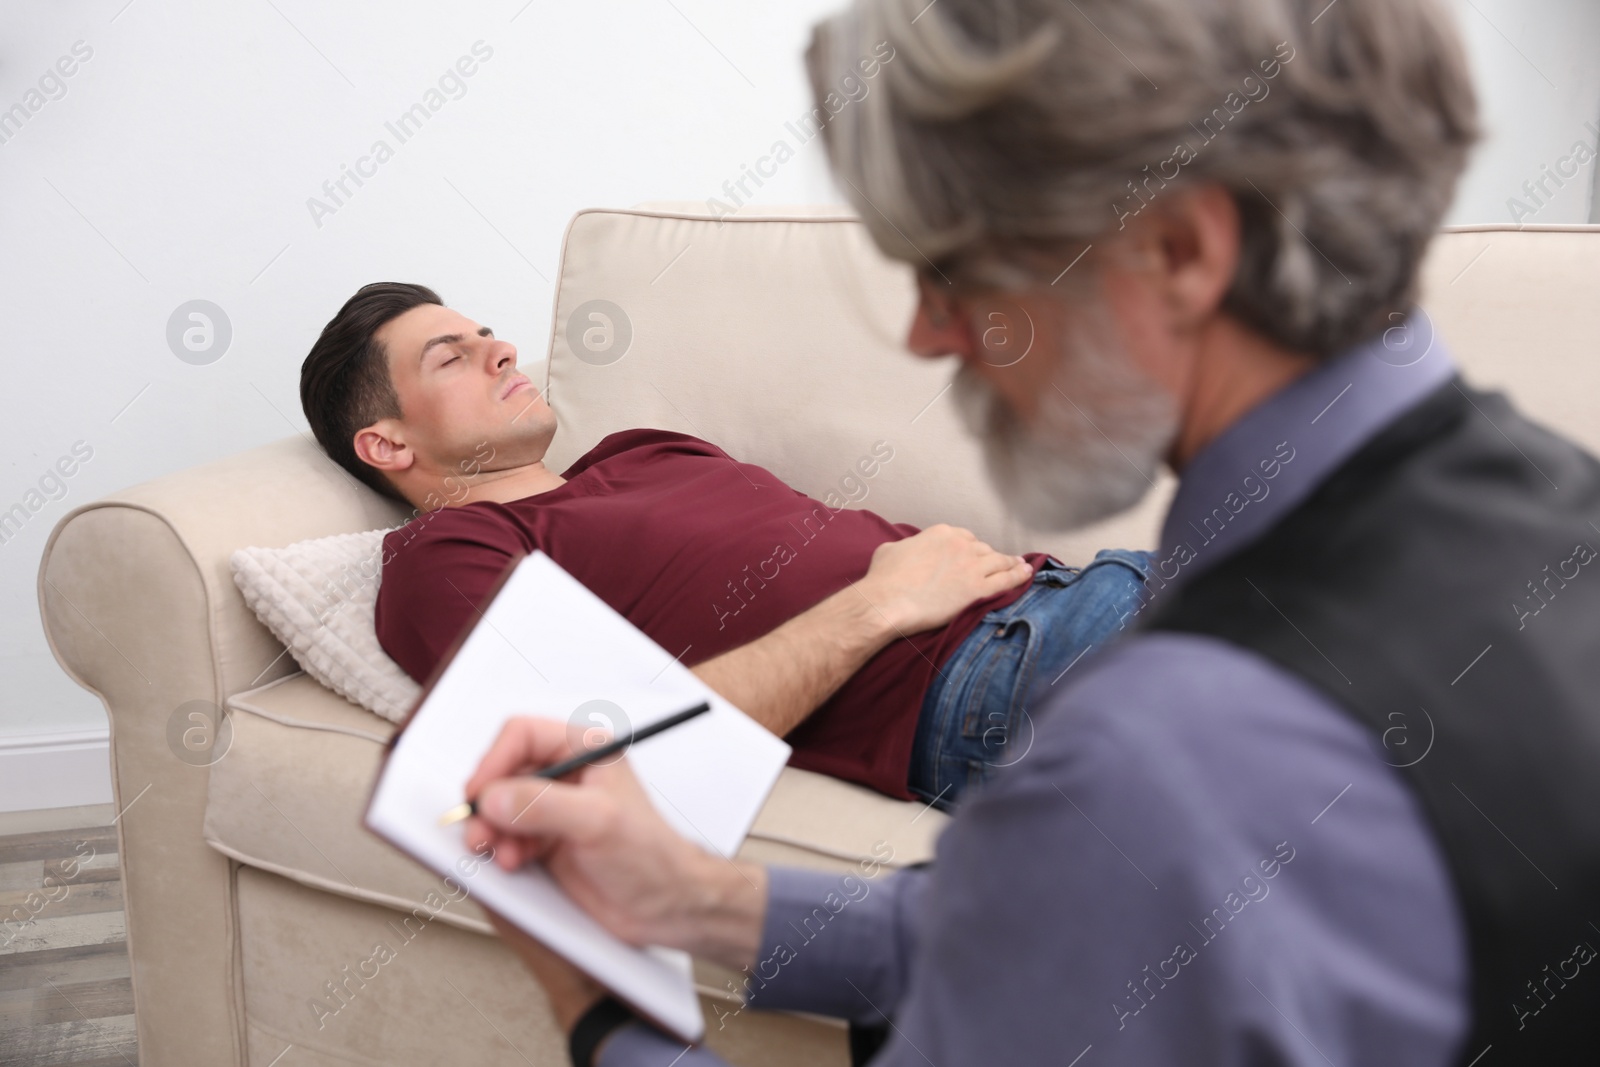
{"x": 1333, "y": 801}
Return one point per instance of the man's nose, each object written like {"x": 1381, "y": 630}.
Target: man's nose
{"x": 501, "y": 353}
{"x": 936, "y": 333}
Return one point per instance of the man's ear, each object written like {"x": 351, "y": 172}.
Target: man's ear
{"x": 382, "y": 445}
{"x": 1195, "y": 236}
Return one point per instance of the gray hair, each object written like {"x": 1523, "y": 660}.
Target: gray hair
{"x": 1009, "y": 133}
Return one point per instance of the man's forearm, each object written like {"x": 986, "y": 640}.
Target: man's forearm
{"x": 784, "y": 676}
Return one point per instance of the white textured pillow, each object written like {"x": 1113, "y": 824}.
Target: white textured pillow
{"x": 319, "y": 598}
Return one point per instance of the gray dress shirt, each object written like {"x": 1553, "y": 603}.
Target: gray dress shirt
{"x": 1200, "y": 860}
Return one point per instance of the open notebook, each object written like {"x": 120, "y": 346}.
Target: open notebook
{"x": 547, "y": 646}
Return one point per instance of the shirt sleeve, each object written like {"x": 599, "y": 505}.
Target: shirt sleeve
{"x": 837, "y": 944}
{"x": 833, "y": 944}
{"x": 639, "y": 1045}
{"x": 1199, "y": 860}
{"x": 438, "y": 573}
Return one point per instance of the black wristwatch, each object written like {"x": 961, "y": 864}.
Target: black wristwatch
{"x": 594, "y": 1026}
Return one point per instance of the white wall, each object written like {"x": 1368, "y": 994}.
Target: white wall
{"x": 178, "y": 162}
{"x": 1537, "y": 65}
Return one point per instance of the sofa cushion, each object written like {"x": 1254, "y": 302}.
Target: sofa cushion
{"x": 319, "y": 597}
{"x": 289, "y": 793}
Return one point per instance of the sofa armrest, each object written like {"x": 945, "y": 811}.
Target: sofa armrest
{"x": 270, "y": 496}
{"x": 139, "y": 607}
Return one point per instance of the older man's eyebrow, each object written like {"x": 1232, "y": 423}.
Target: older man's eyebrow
{"x": 449, "y": 339}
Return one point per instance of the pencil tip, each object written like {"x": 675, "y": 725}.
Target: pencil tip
{"x": 455, "y": 814}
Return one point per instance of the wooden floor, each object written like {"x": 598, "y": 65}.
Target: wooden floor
{"x": 65, "y": 992}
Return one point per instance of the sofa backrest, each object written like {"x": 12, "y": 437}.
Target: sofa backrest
{"x": 780, "y": 337}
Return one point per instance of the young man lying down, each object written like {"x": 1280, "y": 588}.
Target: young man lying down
{"x": 896, "y": 658}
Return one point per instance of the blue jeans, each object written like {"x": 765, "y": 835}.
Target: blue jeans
{"x": 974, "y": 717}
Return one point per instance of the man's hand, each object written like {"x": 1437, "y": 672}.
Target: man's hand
{"x": 606, "y": 846}
{"x": 927, "y": 579}
{"x": 911, "y": 585}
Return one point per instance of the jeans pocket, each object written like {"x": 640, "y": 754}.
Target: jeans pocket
{"x": 1094, "y": 611}
{"x": 993, "y": 689}
{"x": 1055, "y": 573}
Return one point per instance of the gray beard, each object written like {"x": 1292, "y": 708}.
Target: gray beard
{"x": 1083, "y": 458}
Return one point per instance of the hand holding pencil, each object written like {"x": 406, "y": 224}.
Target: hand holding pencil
{"x": 601, "y": 839}
{"x": 586, "y": 758}
{"x": 504, "y": 795}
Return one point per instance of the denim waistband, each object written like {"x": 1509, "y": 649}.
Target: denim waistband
{"x": 974, "y": 714}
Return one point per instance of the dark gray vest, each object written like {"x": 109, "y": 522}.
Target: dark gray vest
{"x": 1443, "y": 586}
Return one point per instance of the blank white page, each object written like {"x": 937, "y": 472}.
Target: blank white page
{"x": 547, "y": 646}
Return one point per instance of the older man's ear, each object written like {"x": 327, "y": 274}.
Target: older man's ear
{"x": 1184, "y": 248}
{"x": 1190, "y": 244}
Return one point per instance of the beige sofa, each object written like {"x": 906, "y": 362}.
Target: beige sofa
{"x": 251, "y": 888}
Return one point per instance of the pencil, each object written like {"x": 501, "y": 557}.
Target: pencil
{"x": 583, "y": 759}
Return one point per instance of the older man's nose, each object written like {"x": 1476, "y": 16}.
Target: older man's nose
{"x": 936, "y": 333}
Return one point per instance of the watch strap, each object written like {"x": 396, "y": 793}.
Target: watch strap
{"x": 595, "y": 1025}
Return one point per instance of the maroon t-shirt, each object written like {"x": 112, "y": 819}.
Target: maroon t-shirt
{"x": 702, "y": 553}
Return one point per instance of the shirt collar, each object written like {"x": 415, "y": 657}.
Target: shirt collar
{"x": 1271, "y": 459}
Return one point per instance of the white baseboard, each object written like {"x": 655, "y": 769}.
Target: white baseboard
{"x": 59, "y": 770}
